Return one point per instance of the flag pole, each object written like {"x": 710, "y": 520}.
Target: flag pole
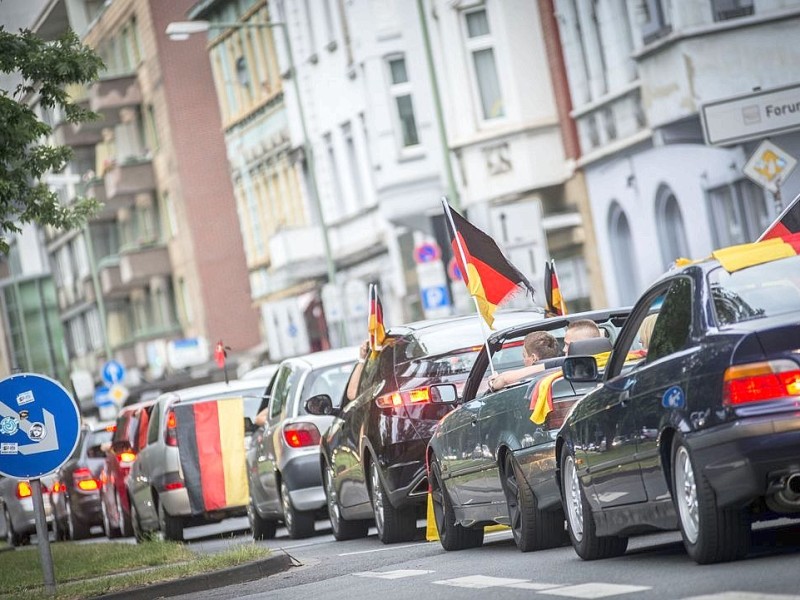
{"x": 369, "y": 316}
{"x": 485, "y": 333}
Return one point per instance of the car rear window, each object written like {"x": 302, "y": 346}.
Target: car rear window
{"x": 95, "y": 440}
{"x": 450, "y": 367}
{"x": 327, "y": 380}
{"x": 765, "y": 290}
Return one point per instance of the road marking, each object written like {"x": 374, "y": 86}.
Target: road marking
{"x": 380, "y": 549}
{"x": 743, "y": 596}
{"x": 530, "y": 585}
{"x": 596, "y": 590}
{"x": 480, "y": 581}
{"x": 398, "y": 574}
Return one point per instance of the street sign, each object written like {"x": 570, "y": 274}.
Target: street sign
{"x": 427, "y": 252}
{"x": 769, "y": 166}
{"x": 751, "y": 116}
{"x": 452, "y": 270}
{"x": 113, "y": 372}
{"x": 39, "y": 425}
{"x": 118, "y": 394}
{"x": 101, "y": 397}
{"x": 434, "y": 297}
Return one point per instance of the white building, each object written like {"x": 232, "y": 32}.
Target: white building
{"x": 639, "y": 73}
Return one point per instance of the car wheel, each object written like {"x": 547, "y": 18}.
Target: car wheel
{"x": 580, "y": 520}
{"x": 77, "y": 529}
{"x": 171, "y": 527}
{"x": 263, "y": 529}
{"x": 342, "y": 528}
{"x": 299, "y": 524}
{"x": 125, "y": 525}
{"x": 710, "y": 534}
{"x": 533, "y": 529}
{"x": 451, "y": 535}
{"x": 393, "y": 524}
{"x": 109, "y": 531}
{"x": 13, "y": 537}
{"x": 138, "y": 532}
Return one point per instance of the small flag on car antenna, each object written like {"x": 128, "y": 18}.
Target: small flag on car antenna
{"x": 375, "y": 326}
{"x": 556, "y": 306}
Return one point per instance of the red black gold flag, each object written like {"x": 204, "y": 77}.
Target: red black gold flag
{"x": 552, "y": 291}
{"x": 489, "y": 276}
{"x": 375, "y": 326}
{"x": 787, "y": 223}
{"x": 211, "y": 448}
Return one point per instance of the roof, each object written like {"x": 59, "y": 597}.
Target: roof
{"x": 327, "y": 358}
{"x": 220, "y": 387}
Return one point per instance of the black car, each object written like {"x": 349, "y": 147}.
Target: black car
{"x": 488, "y": 462}
{"x": 373, "y": 455}
{"x": 703, "y": 433}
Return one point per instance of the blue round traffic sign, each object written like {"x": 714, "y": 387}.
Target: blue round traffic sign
{"x": 39, "y": 425}
{"x": 113, "y": 372}
{"x": 427, "y": 253}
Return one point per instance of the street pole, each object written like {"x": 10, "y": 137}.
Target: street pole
{"x": 98, "y": 292}
{"x": 43, "y": 537}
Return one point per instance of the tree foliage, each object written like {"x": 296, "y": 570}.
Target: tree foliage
{"x": 46, "y": 68}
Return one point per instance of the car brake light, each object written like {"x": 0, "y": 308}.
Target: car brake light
{"x": 23, "y": 489}
{"x": 171, "y": 435}
{"x": 300, "y": 435}
{"x": 761, "y": 381}
{"x": 417, "y": 396}
{"x": 57, "y": 488}
{"x": 111, "y": 428}
{"x": 173, "y": 485}
{"x": 126, "y": 457}
{"x": 84, "y": 481}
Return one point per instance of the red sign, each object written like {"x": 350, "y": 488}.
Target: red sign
{"x": 427, "y": 253}
{"x": 453, "y": 271}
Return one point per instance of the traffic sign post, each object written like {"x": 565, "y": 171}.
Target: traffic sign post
{"x": 39, "y": 430}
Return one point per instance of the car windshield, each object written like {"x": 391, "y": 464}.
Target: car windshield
{"x": 326, "y": 380}
{"x": 765, "y": 290}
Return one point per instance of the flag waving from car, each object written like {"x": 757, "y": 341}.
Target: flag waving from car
{"x": 787, "y": 223}
{"x": 552, "y": 291}
{"x": 490, "y": 278}
{"x": 375, "y": 326}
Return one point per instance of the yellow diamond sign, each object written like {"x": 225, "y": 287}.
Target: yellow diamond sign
{"x": 769, "y": 166}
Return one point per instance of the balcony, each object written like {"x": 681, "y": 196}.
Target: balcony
{"x": 298, "y": 250}
{"x": 128, "y": 179}
{"x": 137, "y": 265}
{"x": 108, "y": 95}
{"x": 111, "y": 284}
{"x": 77, "y": 134}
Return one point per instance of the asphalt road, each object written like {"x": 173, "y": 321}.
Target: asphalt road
{"x": 655, "y": 567}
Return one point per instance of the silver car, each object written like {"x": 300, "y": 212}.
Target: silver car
{"x": 283, "y": 465}
{"x": 16, "y": 504}
{"x": 159, "y": 499}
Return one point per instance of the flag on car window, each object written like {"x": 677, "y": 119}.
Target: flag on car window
{"x": 552, "y": 291}
{"x": 787, "y": 223}
{"x": 490, "y": 278}
{"x": 211, "y": 448}
{"x": 375, "y": 326}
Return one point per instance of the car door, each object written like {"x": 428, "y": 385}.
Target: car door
{"x": 140, "y": 477}
{"x": 461, "y": 454}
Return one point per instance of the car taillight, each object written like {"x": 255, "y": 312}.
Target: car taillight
{"x": 171, "y": 435}
{"x": 300, "y": 435}
{"x": 417, "y": 396}
{"x": 23, "y": 489}
{"x": 173, "y": 485}
{"x": 761, "y": 381}
{"x": 126, "y": 457}
{"x": 84, "y": 481}
{"x": 57, "y": 488}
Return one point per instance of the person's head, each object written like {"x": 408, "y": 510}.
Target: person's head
{"x": 582, "y": 329}
{"x": 646, "y": 329}
{"x": 538, "y": 345}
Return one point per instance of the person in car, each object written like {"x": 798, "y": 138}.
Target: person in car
{"x": 352, "y": 386}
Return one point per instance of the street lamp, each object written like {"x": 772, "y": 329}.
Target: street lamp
{"x": 181, "y": 30}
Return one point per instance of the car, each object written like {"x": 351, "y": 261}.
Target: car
{"x": 129, "y": 437}
{"x": 373, "y": 454}
{"x": 488, "y": 463}
{"x": 703, "y": 433}
{"x": 283, "y": 458}
{"x": 75, "y": 493}
{"x": 16, "y": 503}
{"x": 160, "y": 501}
{"x": 262, "y": 372}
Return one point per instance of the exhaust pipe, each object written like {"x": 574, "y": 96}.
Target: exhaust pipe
{"x": 793, "y": 483}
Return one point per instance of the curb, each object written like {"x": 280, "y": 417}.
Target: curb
{"x": 207, "y": 581}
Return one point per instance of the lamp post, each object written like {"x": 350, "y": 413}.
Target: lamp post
{"x": 181, "y": 30}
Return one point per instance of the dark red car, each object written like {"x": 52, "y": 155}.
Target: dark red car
{"x": 129, "y": 437}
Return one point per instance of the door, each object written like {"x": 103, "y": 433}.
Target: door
{"x": 461, "y": 452}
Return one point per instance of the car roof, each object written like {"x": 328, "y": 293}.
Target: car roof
{"x": 326, "y": 358}
{"x": 262, "y": 372}
{"x": 219, "y": 387}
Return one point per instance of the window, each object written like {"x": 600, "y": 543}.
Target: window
{"x": 654, "y": 18}
{"x": 400, "y": 90}
{"x": 242, "y": 74}
{"x": 487, "y": 82}
{"x": 169, "y": 213}
{"x": 312, "y": 39}
{"x": 95, "y": 329}
{"x": 336, "y": 187}
{"x": 622, "y": 249}
{"x": 352, "y": 162}
{"x": 739, "y": 213}
{"x": 671, "y": 233}
{"x": 184, "y": 302}
{"x": 674, "y": 323}
{"x": 731, "y": 9}
{"x": 285, "y": 380}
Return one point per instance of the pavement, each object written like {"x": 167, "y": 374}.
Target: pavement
{"x": 259, "y": 569}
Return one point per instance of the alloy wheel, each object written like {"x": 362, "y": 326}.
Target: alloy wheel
{"x": 686, "y": 495}
{"x": 330, "y": 493}
{"x": 288, "y": 516}
{"x": 513, "y": 501}
{"x": 377, "y": 496}
{"x": 572, "y": 496}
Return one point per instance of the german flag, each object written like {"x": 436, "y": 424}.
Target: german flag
{"x": 552, "y": 291}
{"x": 375, "y": 326}
{"x": 787, "y": 223}
{"x": 490, "y": 278}
{"x": 211, "y": 448}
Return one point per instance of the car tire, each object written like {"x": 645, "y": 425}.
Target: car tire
{"x": 171, "y": 526}
{"x": 393, "y": 524}
{"x": 263, "y": 529}
{"x": 580, "y": 520}
{"x": 452, "y": 536}
{"x": 109, "y": 531}
{"x": 78, "y": 530}
{"x": 13, "y": 537}
{"x": 533, "y": 529}
{"x": 299, "y": 524}
{"x": 341, "y": 528}
{"x": 710, "y": 534}
{"x": 125, "y": 524}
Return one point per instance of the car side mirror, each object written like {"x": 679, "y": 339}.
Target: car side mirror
{"x": 320, "y": 405}
{"x": 580, "y": 369}
{"x": 249, "y": 426}
{"x": 444, "y": 393}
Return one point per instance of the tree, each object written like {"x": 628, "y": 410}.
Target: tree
{"x": 46, "y": 68}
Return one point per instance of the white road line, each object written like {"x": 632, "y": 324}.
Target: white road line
{"x": 479, "y": 581}
{"x": 595, "y": 590}
{"x": 381, "y": 549}
{"x": 398, "y": 574}
{"x": 743, "y": 596}
{"x": 531, "y": 585}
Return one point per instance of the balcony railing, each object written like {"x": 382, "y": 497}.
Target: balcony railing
{"x": 108, "y": 95}
{"x": 138, "y": 264}
{"x": 129, "y": 178}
